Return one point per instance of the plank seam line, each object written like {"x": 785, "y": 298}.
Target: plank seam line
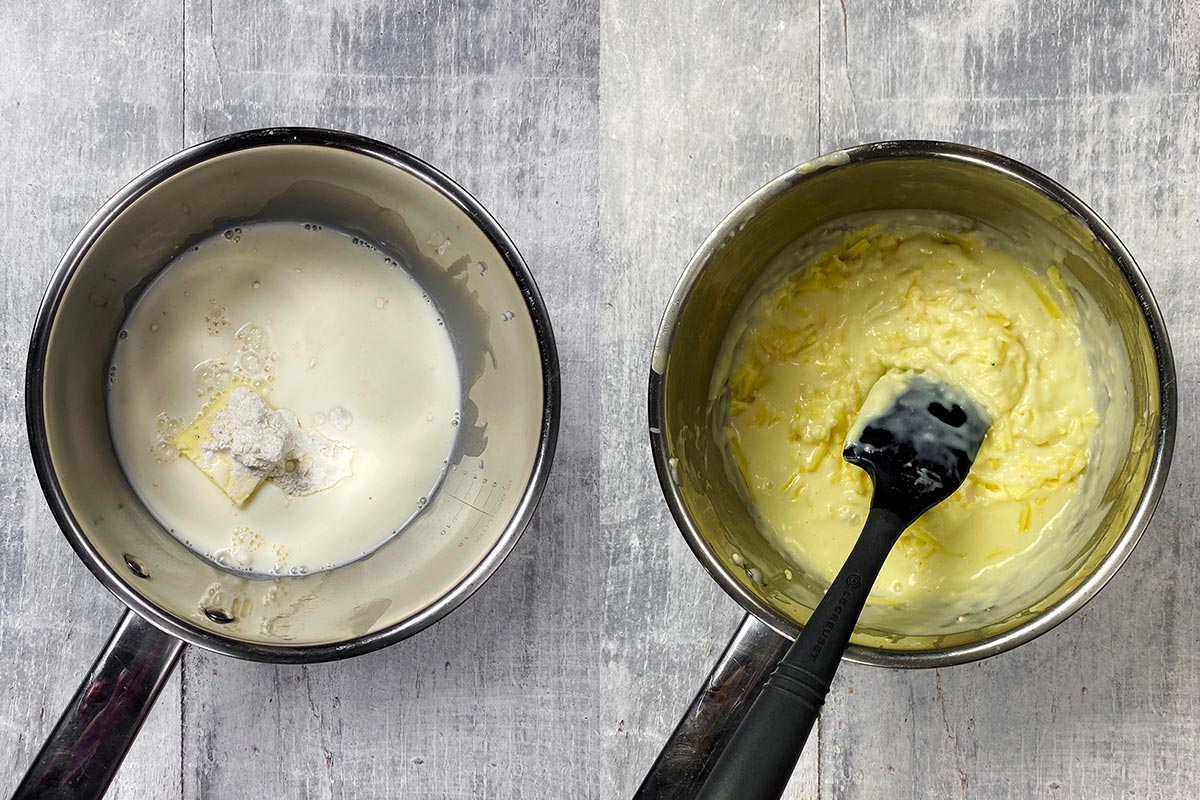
{"x": 182, "y": 720}
{"x": 820, "y": 91}
{"x": 183, "y": 78}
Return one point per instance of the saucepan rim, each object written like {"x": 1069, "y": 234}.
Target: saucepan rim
{"x": 125, "y": 591}
{"x": 1030, "y": 178}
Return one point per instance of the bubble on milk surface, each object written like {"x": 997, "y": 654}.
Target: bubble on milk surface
{"x": 166, "y": 428}
{"x": 250, "y": 363}
{"x": 252, "y": 337}
{"x": 340, "y": 418}
{"x": 211, "y": 377}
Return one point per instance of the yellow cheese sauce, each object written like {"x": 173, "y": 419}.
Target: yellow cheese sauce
{"x": 950, "y": 301}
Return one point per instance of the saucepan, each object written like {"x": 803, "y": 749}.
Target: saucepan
{"x": 709, "y": 509}
{"x": 510, "y": 411}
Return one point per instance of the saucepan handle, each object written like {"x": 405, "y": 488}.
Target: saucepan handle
{"x": 85, "y": 749}
{"x": 710, "y": 721}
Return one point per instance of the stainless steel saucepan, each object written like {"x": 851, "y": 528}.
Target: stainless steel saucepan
{"x": 708, "y": 508}
{"x": 508, "y": 363}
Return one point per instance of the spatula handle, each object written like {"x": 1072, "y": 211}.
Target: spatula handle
{"x": 759, "y": 759}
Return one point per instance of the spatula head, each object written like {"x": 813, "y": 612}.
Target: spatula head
{"x": 917, "y": 437}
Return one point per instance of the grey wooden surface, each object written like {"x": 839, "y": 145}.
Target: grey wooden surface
{"x": 608, "y": 139}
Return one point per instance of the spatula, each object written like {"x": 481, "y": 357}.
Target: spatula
{"x": 917, "y": 437}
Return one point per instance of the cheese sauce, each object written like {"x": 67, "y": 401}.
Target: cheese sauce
{"x": 945, "y": 300}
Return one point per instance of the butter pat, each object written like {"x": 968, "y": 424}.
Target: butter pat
{"x": 237, "y": 441}
{"x": 240, "y": 441}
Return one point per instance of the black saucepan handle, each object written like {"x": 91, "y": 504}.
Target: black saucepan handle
{"x": 759, "y": 759}
{"x": 85, "y": 749}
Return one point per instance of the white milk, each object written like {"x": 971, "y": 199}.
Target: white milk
{"x": 330, "y": 329}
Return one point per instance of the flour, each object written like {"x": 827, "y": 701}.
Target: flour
{"x": 250, "y": 433}
{"x": 313, "y": 463}
{"x": 261, "y": 443}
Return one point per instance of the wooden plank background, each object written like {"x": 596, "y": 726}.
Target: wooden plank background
{"x": 608, "y": 138}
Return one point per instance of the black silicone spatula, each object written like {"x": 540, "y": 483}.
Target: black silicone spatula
{"x": 917, "y": 438}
